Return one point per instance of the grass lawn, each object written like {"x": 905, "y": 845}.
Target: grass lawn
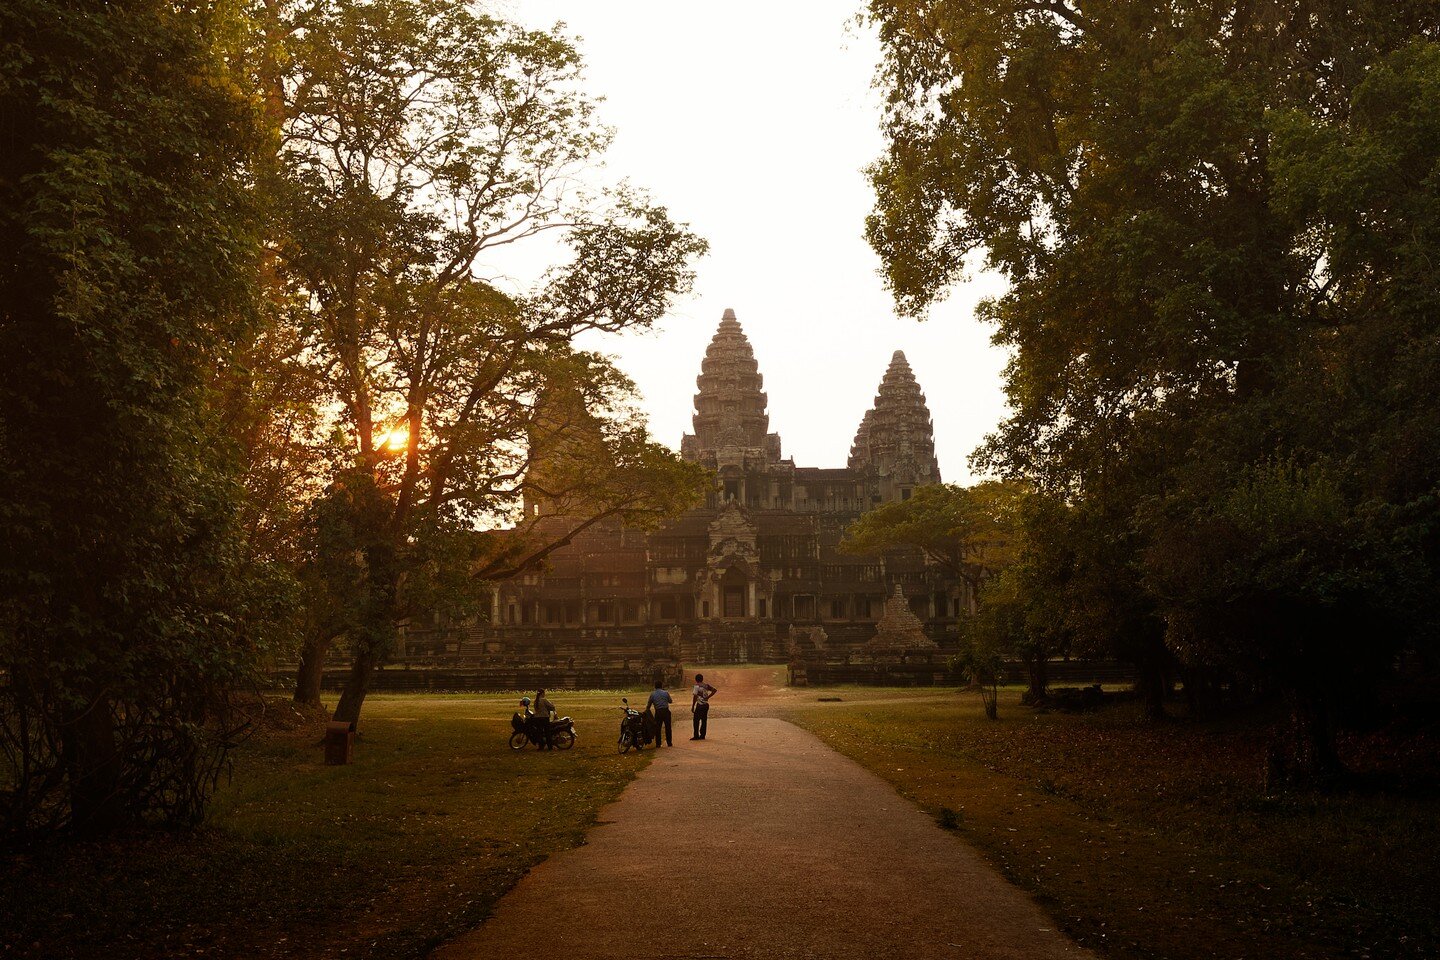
{"x": 1147, "y": 841}
{"x": 408, "y": 846}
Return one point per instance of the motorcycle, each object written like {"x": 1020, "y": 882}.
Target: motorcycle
{"x": 632, "y": 728}
{"x": 562, "y": 732}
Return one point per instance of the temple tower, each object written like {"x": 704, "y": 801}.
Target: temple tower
{"x": 896, "y": 437}
{"x": 730, "y": 421}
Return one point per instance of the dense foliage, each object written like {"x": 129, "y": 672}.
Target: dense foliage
{"x": 260, "y": 398}
{"x": 129, "y": 606}
{"x": 1217, "y": 221}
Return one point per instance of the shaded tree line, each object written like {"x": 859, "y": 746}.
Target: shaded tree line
{"x": 1218, "y": 222}
{"x": 262, "y": 398}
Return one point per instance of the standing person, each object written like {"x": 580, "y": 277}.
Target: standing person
{"x": 660, "y": 700}
{"x": 700, "y": 705}
{"x": 544, "y": 713}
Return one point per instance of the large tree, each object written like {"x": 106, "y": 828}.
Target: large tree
{"x": 967, "y": 531}
{"x": 129, "y": 607}
{"x": 1212, "y": 218}
{"x": 420, "y": 137}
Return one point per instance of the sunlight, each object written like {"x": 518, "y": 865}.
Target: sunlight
{"x": 394, "y": 439}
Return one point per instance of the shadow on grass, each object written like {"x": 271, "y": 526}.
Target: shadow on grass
{"x": 1157, "y": 841}
{"x": 407, "y": 847}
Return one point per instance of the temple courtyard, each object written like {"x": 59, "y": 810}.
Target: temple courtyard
{"x": 813, "y": 822}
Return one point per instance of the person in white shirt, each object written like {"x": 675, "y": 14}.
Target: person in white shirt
{"x": 700, "y": 705}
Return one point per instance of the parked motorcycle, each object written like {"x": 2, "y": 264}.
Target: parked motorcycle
{"x": 525, "y": 726}
{"x": 632, "y": 728}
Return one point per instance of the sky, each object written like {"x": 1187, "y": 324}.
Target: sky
{"x": 753, "y": 122}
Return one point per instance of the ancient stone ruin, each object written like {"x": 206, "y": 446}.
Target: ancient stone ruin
{"x": 735, "y": 579}
{"x": 899, "y": 631}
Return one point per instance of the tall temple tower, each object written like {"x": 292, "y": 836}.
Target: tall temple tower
{"x": 755, "y": 572}
{"x": 896, "y": 437}
{"x": 731, "y": 421}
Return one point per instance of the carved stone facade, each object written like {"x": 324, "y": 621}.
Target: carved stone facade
{"x": 756, "y": 570}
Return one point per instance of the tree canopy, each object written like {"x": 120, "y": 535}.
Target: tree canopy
{"x": 420, "y": 136}
{"x": 129, "y": 607}
{"x": 1212, "y": 218}
{"x": 262, "y": 395}
{"x": 969, "y": 531}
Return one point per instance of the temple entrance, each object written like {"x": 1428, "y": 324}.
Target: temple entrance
{"x": 733, "y": 590}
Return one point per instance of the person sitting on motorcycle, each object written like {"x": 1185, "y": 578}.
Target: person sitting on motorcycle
{"x": 530, "y": 726}
{"x": 544, "y": 712}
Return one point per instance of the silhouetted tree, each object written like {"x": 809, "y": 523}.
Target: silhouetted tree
{"x": 419, "y": 138}
{"x": 1215, "y": 221}
{"x": 129, "y": 607}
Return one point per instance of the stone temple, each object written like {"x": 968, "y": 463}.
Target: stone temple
{"x": 755, "y": 571}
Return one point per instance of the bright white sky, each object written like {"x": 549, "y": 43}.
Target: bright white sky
{"x": 752, "y": 122}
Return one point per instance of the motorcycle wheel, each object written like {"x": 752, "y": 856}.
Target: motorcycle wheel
{"x": 518, "y": 739}
{"x": 625, "y": 742}
{"x": 563, "y": 739}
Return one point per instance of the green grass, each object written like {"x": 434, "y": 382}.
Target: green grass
{"x": 411, "y": 844}
{"x": 1142, "y": 841}
{"x": 1148, "y": 841}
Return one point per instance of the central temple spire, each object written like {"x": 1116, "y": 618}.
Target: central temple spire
{"x": 730, "y": 406}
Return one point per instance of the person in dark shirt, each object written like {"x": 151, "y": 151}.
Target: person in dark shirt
{"x": 660, "y": 701}
{"x": 544, "y": 713}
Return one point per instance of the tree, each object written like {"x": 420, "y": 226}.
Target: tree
{"x": 129, "y": 609}
{"x": 420, "y": 137}
{"x": 977, "y": 534}
{"x": 1212, "y": 218}
{"x": 968, "y": 531}
{"x": 1277, "y": 578}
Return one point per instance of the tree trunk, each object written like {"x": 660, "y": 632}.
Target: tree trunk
{"x": 1154, "y": 682}
{"x": 357, "y": 685}
{"x": 1303, "y": 752}
{"x": 1152, "y": 689}
{"x": 312, "y": 669}
{"x": 376, "y": 634}
{"x": 93, "y": 768}
{"x": 1037, "y": 667}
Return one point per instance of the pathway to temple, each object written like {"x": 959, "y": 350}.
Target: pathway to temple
{"x": 763, "y": 842}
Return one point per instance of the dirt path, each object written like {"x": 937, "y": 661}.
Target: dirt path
{"x": 763, "y": 842}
